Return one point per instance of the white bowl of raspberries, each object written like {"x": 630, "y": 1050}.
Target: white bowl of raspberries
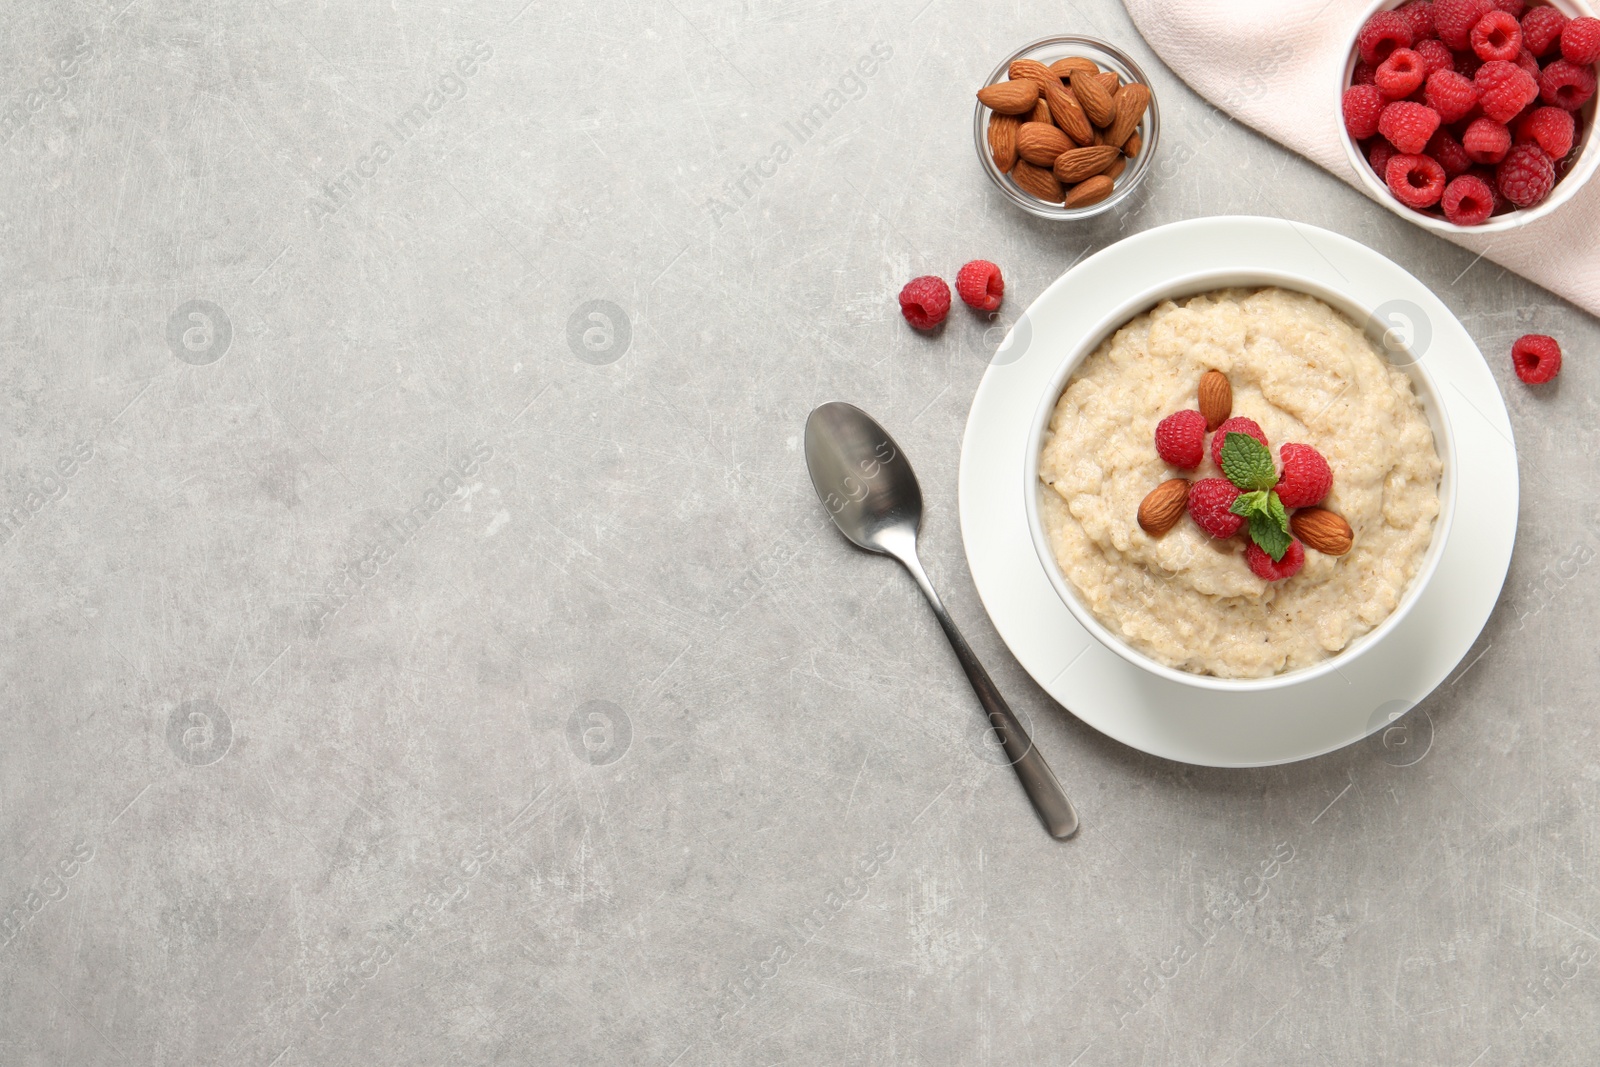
{"x": 1472, "y": 115}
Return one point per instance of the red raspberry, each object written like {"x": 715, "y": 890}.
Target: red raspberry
{"x": 1580, "y": 41}
{"x": 1506, "y": 89}
{"x": 1400, "y": 75}
{"x": 1497, "y": 36}
{"x": 1467, "y": 64}
{"x": 1453, "y": 20}
{"x": 1383, "y": 33}
{"x": 1209, "y": 501}
{"x": 980, "y": 285}
{"x": 1452, "y": 95}
{"x": 1537, "y": 358}
{"x": 1306, "y": 476}
{"x": 925, "y": 301}
{"x": 1514, "y": 8}
{"x": 1486, "y": 141}
{"x": 1237, "y": 424}
{"x": 1485, "y": 174}
{"x": 1379, "y": 155}
{"x": 1541, "y": 29}
{"x": 1364, "y": 73}
{"x": 1566, "y": 85}
{"x": 1468, "y": 200}
{"x": 1416, "y": 181}
{"x": 1527, "y": 62}
{"x": 1448, "y": 153}
{"x": 1551, "y": 128}
{"x": 1436, "y": 55}
{"x": 1408, "y": 126}
{"x": 1181, "y": 439}
{"x": 1262, "y": 566}
{"x": 1420, "y": 14}
{"x": 1362, "y": 106}
{"x": 1526, "y": 175}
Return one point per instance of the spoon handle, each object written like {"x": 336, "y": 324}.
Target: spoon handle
{"x": 1038, "y": 780}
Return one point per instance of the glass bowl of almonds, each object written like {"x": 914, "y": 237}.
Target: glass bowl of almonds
{"x": 1066, "y": 126}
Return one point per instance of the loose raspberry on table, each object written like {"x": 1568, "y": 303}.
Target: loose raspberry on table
{"x": 1467, "y": 200}
{"x": 1305, "y": 478}
{"x": 1452, "y": 95}
{"x": 1526, "y": 175}
{"x": 1436, "y": 55}
{"x": 1453, "y": 20}
{"x": 1536, "y": 358}
{"x": 1514, "y": 8}
{"x": 1506, "y": 89}
{"x": 1263, "y": 566}
{"x": 1401, "y": 74}
{"x": 1379, "y": 155}
{"x": 980, "y": 285}
{"x": 1486, "y": 141}
{"x": 1541, "y": 29}
{"x": 1237, "y": 424}
{"x": 1362, "y": 106}
{"x": 1209, "y": 501}
{"x": 1580, "y": 41}
{"x": 925, "y": 301}
{"x": 1181, "y": 439}
{"x": 1383, "y": 33}
{"x": 1551, "y": 128}
{"x": 1497, "y": 36}
{"x": 1407, "y": 125}
{"x": 1415, "y": 180}
{"x": 1449, "y": 154}
{"x": 1364, "y": 73}
{"x": 1566, "y": 84}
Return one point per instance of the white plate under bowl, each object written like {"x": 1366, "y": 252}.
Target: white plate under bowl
{"x": 1168, "y": 718}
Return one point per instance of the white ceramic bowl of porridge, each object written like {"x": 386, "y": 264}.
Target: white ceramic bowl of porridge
{"x": 1172, "y": 622}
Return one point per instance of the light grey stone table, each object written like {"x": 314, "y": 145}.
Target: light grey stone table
{"x": 423, "y": 645}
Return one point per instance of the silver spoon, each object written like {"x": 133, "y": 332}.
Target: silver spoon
{"x": 869, "y": 489}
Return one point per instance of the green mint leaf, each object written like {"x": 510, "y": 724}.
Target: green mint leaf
{"x": 1247, "y": 463}
{"x": 1248, "y": 504}
{"x": 1264, "y": 531}
{"x": 1278, "y": 513}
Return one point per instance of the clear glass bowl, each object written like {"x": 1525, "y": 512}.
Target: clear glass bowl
{"x": 1047, "y": 51}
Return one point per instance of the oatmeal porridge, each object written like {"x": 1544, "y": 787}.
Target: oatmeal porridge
{"x": 1306, "y": 374}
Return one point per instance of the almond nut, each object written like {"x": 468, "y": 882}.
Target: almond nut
{"x": 1322, "y": 530}
{"x": 1079, "y": 163}
{"x": 1130, "y": 147}
{"x": 1089, "y": 191}
{"x": 1040, "y": 143}
{"x": 1041, "y": 112}
{"x": 1163, "y": 507}
{"x": 1034, "y": 71}
{"x": 1129, "y": 104}
{"x": 1003, "y": 141}
{"x": 1216, "y": 398}
{"x": 1063, "y": 68}
{"x": 1037, "y": 182}
{"x": 1118, "y": 165}
{"x": 1066, "y": 113}
{"x": 1009, "y": 98}
{"x": 1091, "y": 93}
{"x": 1109, "y": 79}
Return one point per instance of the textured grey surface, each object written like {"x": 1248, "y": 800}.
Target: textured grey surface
{"x": 607, "y": 749}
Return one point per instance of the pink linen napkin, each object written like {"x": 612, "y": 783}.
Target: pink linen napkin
{"x": 1276, "y": 66}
